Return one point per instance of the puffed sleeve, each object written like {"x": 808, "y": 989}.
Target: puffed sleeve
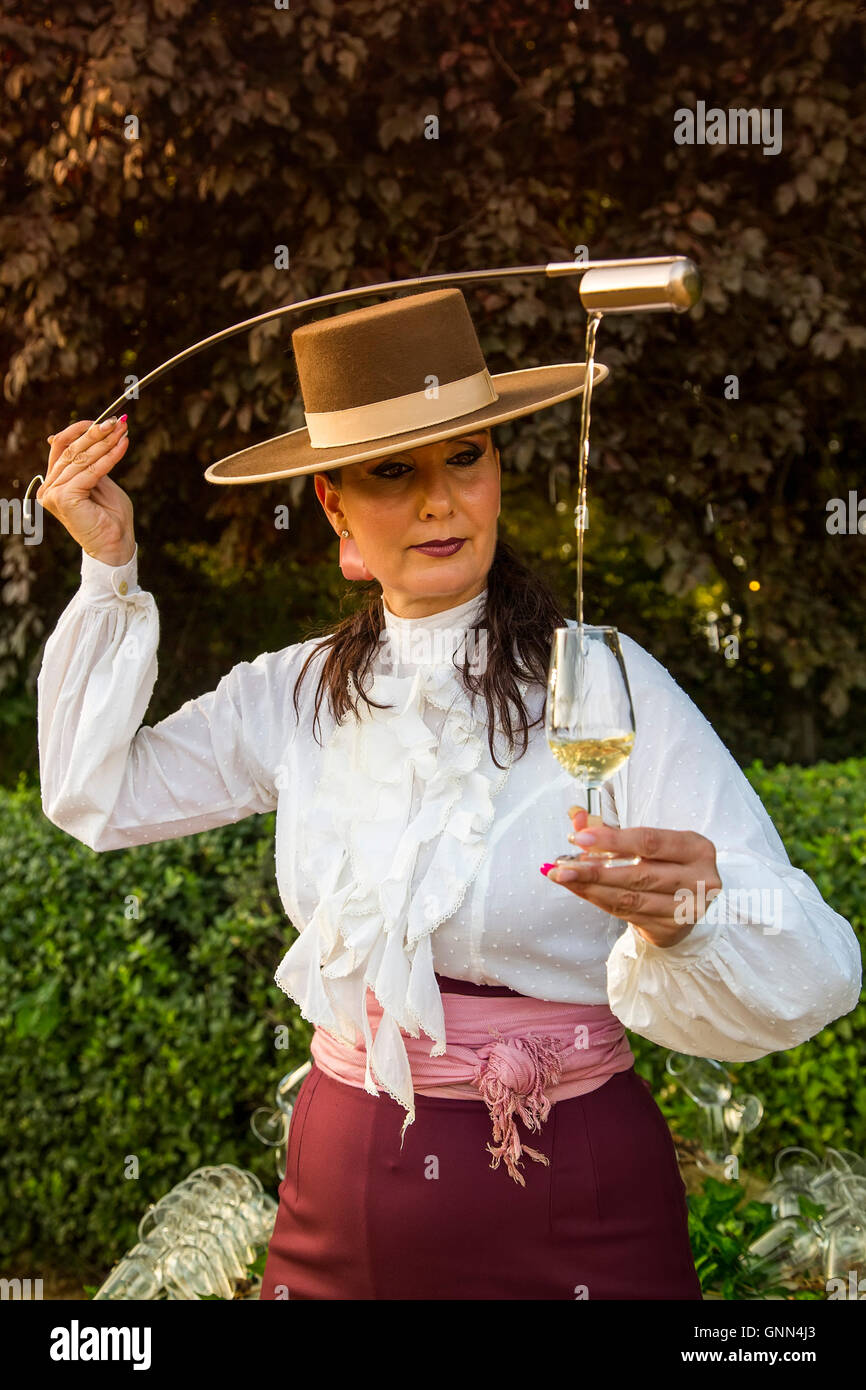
{"x": 768, "y": 963}
{"x": 112, "y": 784}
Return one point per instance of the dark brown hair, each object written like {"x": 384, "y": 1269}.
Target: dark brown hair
{"x": 520, "y": 615}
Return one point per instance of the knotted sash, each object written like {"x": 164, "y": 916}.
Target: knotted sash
{"x": 518, "y": 1055}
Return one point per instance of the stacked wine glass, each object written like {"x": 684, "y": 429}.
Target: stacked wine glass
{"x": 831, "y": 1245}
{"x": 271, "y": 1127}
{"x": 197, "y": 1241}
{"x": 726, "y": 1116}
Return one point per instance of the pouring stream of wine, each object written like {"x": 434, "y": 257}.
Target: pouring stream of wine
{"x": 592, "y": 322}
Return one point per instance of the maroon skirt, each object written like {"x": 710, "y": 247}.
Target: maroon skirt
{"x": 361, "y": 1218}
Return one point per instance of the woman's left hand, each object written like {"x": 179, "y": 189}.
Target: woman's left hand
{"x": 672, "y": 861}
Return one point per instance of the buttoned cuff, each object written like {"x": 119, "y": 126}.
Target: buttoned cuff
{"x": 99, "y": 580}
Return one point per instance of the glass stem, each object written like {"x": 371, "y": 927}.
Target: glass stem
{"x": 593, "y": 801}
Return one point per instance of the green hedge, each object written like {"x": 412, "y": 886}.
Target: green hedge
{"x": 814, "y": 1094}
{"x": 156, "y": 1036}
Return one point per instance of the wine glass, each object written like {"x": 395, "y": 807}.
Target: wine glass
{"x": 589, "y": 719}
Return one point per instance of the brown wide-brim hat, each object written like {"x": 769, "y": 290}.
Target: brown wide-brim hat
{"x": 391, "y": 376}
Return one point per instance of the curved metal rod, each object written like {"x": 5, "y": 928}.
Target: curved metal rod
{"x": 689, "y": 291}
{"x": 551, "y": 269}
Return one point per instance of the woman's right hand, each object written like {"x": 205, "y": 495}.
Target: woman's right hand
{"x": 78, "y": 491}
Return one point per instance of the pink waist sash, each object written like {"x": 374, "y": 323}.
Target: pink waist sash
{"x": 518, "y": 1055}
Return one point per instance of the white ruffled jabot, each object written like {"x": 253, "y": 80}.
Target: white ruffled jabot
{"x": 373, "y": 924}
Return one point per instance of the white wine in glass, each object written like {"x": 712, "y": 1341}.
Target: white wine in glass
{"x": 589, "y": 719}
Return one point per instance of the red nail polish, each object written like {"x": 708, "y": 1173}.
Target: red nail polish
{"x": 545, "y": 869}
{"x": 122, "y": 418}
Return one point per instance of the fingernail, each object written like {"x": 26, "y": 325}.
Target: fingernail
{"x": 582, "y": 837}
{"x": 106, "y": 424}
{"x": 573, "y": 810}
{"x": 50, "y": 438}
{"x": 545, "y": 869}
{"x": 122, "y": 418}
{"x": 563, "y": 875}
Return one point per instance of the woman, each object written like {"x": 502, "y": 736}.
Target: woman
{"x": 472, "y": 1125}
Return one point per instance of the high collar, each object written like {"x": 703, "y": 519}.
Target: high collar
{"x": 462, "y": 614}
{"x": 434, "y": 639}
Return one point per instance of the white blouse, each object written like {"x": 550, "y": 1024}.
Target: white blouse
{"x": 402, "y": 850}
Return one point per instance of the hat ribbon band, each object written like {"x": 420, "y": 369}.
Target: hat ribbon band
{"x": 434, "y": 405}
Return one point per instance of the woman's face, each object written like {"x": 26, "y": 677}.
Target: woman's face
{"x": 393, "y": 503}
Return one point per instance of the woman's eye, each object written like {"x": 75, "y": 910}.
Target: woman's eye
{"x": 468, "y": 456}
